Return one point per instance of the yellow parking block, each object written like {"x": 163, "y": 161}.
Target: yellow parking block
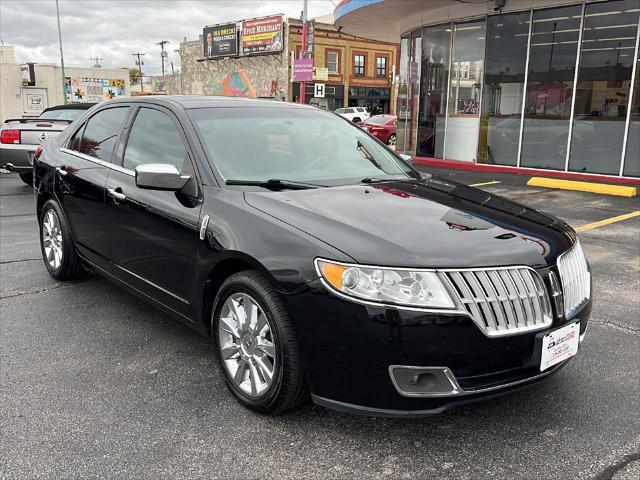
{"x": 604, "y": 188}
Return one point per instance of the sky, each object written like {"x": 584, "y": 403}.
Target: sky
{"x": 113, "y": 30}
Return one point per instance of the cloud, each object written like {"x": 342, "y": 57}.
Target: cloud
{"x": 113, "y": 30}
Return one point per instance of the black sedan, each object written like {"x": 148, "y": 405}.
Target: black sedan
{"x": 317, "y": 260}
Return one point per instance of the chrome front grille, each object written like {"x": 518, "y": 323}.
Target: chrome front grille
{"x": 576, "y": 279}
{"x": 502, "y": 301}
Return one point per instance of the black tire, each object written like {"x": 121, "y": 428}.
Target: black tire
{"x": 70, "y": 266}
{"x": 289, "y": 388}
{"x": 356, "y": 120}
{"x": 27, "y": 177}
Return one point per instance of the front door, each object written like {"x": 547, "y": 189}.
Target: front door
{"x": 154, "y": 234}
{"x": 81, "y": 178}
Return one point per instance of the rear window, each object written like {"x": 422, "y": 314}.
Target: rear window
{"x": 62, "y": 114}
{"x": 378, "y": 119}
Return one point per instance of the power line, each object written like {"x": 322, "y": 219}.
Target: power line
{"x": 163, "y": 54}
{"x": 96, "y": 62}
{"x": 139, "y": 63}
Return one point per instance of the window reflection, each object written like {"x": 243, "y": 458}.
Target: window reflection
{"x": 552, "y": 65}
{"x": 436, "y": 42}
{"x": 632, "y": 157}
{"x": 604, "y": 78}
{"x": 467, "y": 62}
{"x": 503, "y": 88}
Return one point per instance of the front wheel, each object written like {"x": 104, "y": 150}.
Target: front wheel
{"x": 27, "y": 177}
{"x": 58, "y": 251}
{"x": 256, "y": 346}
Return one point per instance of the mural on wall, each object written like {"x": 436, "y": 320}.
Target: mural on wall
{"x": 93, "y": 90}
{"x": 235, "y": 84}
{"x": 159, "y": 86}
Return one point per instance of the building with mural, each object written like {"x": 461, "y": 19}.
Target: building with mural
{"x": 27, "y": 89}
{"x": 506, "y": 85}
{"x": 252, "y": 58}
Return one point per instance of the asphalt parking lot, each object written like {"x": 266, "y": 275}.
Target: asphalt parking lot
{"x": 95, "y": 383}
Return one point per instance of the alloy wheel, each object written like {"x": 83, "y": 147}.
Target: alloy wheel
{"x": 392, "y": 140}
{"x": 246, "y": 344}
{"x": 52, "y": 239}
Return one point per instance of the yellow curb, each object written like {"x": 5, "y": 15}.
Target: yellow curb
{"x": 607, "y": 221}
{"x": 604, "y": 188}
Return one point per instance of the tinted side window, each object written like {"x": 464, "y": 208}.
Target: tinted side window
{"x": 154, "y": 138}
{"x": 101, "y": 133}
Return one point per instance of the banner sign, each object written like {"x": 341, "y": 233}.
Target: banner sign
{"x": 302, "y": 69}
{"x": 220, "y": 40}
{"x": 262, "y": 35}
{"x": 93, "y": 90}
{"x": 311, "y": 30}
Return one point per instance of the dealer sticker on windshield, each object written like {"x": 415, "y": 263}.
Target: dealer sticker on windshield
{"x": 559, "y": 345}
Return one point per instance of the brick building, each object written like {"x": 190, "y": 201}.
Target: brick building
{"x": 360, "y": 70}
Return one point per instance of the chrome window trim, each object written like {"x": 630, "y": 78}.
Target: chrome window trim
{"x": 97, "y": 161}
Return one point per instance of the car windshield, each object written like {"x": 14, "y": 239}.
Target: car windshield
{"x": 296, "y": 144}
{"x": 62, "y": 114}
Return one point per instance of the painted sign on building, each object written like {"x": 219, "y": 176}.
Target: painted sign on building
{"x": 220, "y": 40}
{"x": 93, "y": 90}
{"x": 262, "y": 35}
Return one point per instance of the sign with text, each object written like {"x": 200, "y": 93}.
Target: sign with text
{"x": 220, "y": 40}
{"x": 311, "y": 32}
{"x": 302, "y": 69}
{"x": 318, "y": 90}
{"x": 321, "y": 74}
{"x": 262, "y": 35}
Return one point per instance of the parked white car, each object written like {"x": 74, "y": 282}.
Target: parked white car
{"x": 355, "y": 114}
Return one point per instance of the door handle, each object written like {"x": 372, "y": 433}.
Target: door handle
{"x": 62, "y": 170}
{"x": 116, "y": 194}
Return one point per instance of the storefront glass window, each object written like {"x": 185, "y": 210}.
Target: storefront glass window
{"x": 552, "y": 65}
{"x": 507, "y": 37}
{"x": 402, "y": 100}
{"x": 604, "y": 78}
{"x": 436, "y": 48}
{"x": 467, "y": 63}
{"x": 632, "y": 157}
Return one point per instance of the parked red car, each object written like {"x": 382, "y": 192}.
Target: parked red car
{"x": 383, "y": 127}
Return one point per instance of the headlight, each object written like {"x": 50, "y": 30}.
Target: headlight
{"x": 402, "y": 287}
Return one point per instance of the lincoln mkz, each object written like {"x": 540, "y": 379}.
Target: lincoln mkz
{"x": 319, "y": 262}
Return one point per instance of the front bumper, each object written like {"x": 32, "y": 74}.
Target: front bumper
{"x": 17, "y": 158}
{"x": 347, "y": 349}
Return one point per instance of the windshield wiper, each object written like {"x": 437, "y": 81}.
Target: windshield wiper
{"x": 275, "y": 184}
{"x": 375, "y": 180}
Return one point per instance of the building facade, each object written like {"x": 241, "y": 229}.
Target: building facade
{"x": 360, "y": 71}
{"x": 544, "y": 84}
{"x": 27, "y": 89}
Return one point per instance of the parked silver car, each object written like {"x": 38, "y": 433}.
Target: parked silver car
{"x": 19, "y": 137}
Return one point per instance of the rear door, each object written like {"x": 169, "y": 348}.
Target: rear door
{"x": 154, "y": 234}
{"x": 81, "y": 177}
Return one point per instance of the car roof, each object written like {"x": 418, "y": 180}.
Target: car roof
{"x": 208, "y": 101}
{"x": 70, "y": 106}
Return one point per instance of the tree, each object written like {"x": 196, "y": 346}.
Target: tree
{"x": 134, "y": 75}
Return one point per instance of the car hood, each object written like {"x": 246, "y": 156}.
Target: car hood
{"x": 421, "y": 223}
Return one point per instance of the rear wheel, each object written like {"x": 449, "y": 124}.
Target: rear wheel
{"x": 356, "y": 120}
{"x": 256, "y": 346}
{"x": 27, "y": 177}
{"x": 392, "y": 139}
{"x": 58, "y": 251}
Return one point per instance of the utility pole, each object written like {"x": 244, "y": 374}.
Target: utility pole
{"x": 163, "y": 54}
{"x": 304, "y": 47}
{"x": 64, "y": 86}
{"x": 139, "y": 63}
{"x": 96, "y": 62}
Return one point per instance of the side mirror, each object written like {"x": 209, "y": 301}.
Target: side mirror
{"x": 160, "y": 176}
{"x": 407, "y": 158}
